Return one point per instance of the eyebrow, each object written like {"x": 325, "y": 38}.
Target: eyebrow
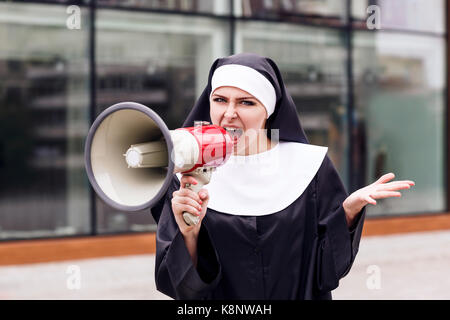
{"x": 215, "y": 94}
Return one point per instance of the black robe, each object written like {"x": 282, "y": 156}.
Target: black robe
{"x": 300, "y": 252}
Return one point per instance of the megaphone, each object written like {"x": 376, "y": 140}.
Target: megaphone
{"x": 131, "y": 156}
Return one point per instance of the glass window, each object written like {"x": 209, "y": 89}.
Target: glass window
{"x": 400, "y": 101}
{"x": 159, "y": 60}
{"x": 313, "y": 64}
{"x": 44, "y": 119}
{"x": 219, "y": 7}
{"x": 292, "y": 10}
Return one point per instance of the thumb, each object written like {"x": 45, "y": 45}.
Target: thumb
{"x": 203, "y": 194}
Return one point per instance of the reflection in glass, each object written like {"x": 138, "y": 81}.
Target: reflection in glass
{"x": 43, "y": 123}
{"x": 161, "y": 61}
{"x": 399, "y": 96}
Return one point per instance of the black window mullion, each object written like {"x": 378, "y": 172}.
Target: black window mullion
{"x": 92, "y": 103}
{"x": 232, "y": 26}
{"x": 351, "y": 170}
{"x": 446, "y": 111}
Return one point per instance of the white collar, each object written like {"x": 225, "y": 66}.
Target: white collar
{"x": 266, "y": 182}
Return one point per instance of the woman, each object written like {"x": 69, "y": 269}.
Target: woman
{"x": 285, "y": 232}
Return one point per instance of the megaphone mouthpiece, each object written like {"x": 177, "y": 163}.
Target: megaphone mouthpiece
{"x": 147, "y": 155}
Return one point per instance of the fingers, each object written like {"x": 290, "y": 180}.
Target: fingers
{"x": 188, "y": 201}
{"x": 408, "y": 182}
{"x": 380, "y": 189}
{"x": 187, "y": 193}
{"x": 186, "y": 208}
{"x": 370, "y": 200}
{"x": 385, "y": 178}
{"x": 187, "y": 179}
{"x": 203, "y": 194}
{"x": 385, "y": 194}
{"x": 389, "y": 176}
{"x": 393, "y": 186}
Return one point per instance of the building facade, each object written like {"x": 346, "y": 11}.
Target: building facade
{"x": 369, "y": 79}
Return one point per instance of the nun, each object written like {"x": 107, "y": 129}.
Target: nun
{"x": 276, "y": 222}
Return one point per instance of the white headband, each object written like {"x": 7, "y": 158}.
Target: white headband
{"x": 247, "y": 79}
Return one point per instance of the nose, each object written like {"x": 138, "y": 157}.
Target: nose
{"x": 230, "y": 112}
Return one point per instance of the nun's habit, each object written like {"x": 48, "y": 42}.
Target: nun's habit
{"x": 275, "y": 232}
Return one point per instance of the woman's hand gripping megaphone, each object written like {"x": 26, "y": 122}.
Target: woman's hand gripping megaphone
{"x": 190, "y": 202}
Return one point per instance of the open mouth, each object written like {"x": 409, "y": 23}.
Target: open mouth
{"x": 235, "y": 133}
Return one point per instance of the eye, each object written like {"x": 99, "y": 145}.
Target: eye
{"x": 219, "y": 100}
{"x": 248, "y": 102}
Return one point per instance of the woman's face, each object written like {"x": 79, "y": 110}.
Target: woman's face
{"x": 233, "y": 107}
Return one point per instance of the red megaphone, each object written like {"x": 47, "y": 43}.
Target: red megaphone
{"x": 131, "y": 155}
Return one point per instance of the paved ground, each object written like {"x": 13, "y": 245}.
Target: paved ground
{"x": 412, "y": 266}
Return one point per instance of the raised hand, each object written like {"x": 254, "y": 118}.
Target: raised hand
{"x": 378, "y": 190}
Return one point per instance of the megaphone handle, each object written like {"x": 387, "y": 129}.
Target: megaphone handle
{"x": 189, "y": 218}
{"x": 202, "y": 176}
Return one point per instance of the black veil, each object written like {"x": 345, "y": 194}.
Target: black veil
{"x": 284, "y": 117}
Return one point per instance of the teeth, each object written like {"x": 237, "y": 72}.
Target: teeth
{"x": 234, "y": 132}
